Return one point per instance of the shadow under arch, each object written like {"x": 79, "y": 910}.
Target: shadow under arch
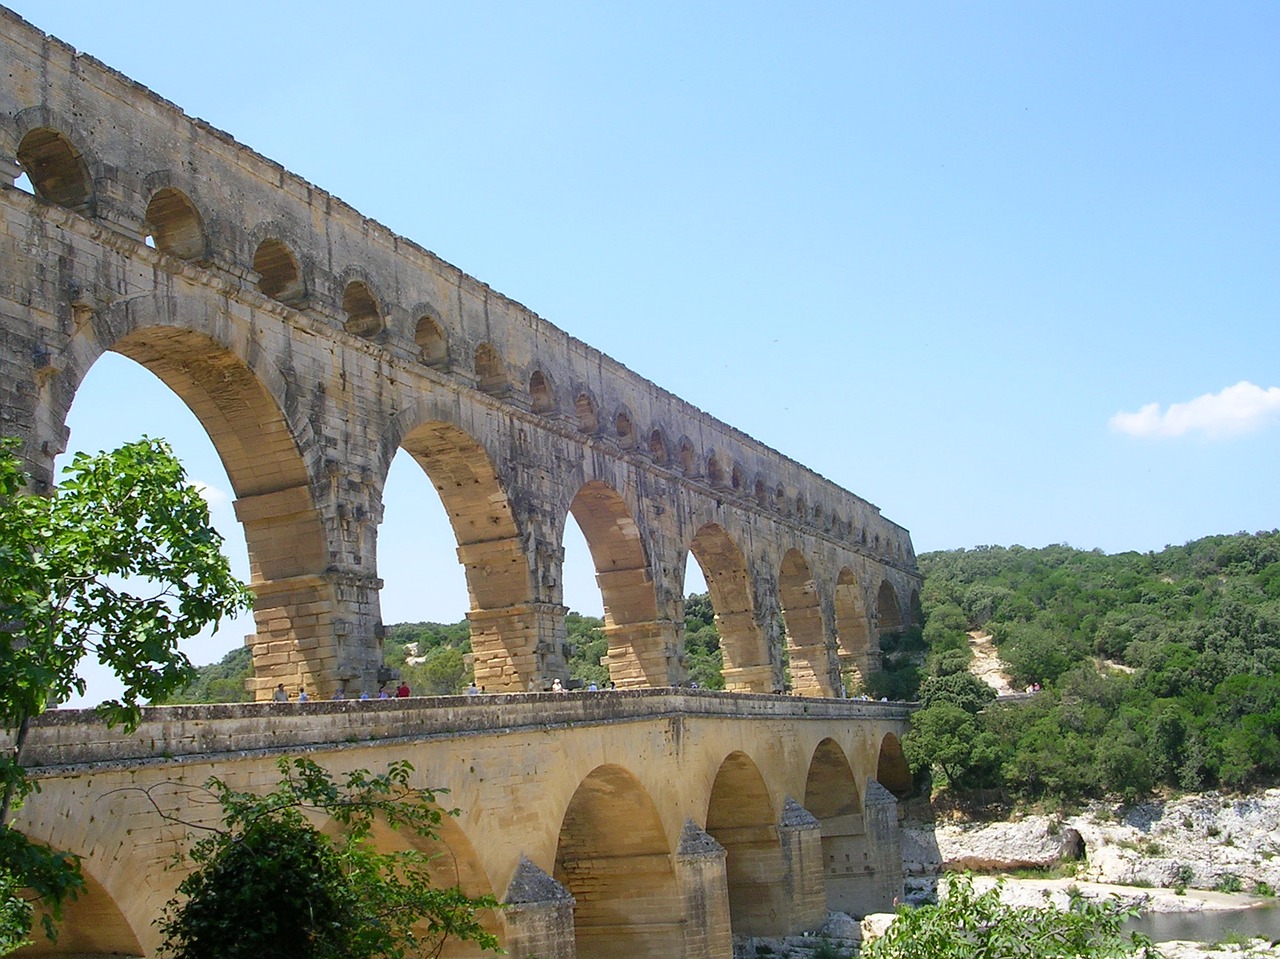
{"x": 853, "y": 632}
{"x": 92, "y": 925}
{"x": 503, "y": 617}
{"x": 613, "y": 855}
{"x": 740, "y": 816}
{"x": 239, "y": 404}
{"x": 747, "y": 668}
{"x": 831, "y": 795}
{"x": 802, "y": 614}
{"x": 641, "y": 649}
{"x": 888, "y": 608}
{"x": 893, "y": 772}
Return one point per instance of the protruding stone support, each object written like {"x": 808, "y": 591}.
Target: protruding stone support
{"x": 538, "y": 916}
{"x": 701, "y": 878}
{"x": 519, "y": 648}
{"x": 884, "y": 856}
{"x": 497, "y": 572}
{"x": 800, "y": 836}
{"x": 863, "y": 856}
{"x": 645, "y": 654}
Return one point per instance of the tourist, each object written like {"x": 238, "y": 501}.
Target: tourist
{"x": 340, "y": 694}
{"x": 302, "y": 695}
{"x": 557, "y": 686}
{"x": 280, "y": 696}
{"x": 382, "y": 691}
{"x": 402, "y": 691}
{"x": 473, "y": 689}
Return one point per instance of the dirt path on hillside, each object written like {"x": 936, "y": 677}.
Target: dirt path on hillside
{"x": 986, "y": 663}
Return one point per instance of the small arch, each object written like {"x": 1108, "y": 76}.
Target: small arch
{"x": 585, "y": 408}
{"x": 612, "y": 854}
{"x": 736, "y": 478}
{"x": 888, "y": 609}
{"x": 363, "y": 316}
{"x": 279, "y": 275}
{"x": 542, "y": 398}
{"x": 57, "y": 170}
{"x": 429, "y": 336}
{"x": 801, "y": 507}
{"x": 761, "y": 494}
{"x": 715, "y": 475}
{"x": 658, "y": 447}
{"x": 491, "y": 372}
{"x": 780, "y": 501}
{"x": 175, "y": 225}
{"x": 625, "y": 430}
{"x": 688, "y": 465}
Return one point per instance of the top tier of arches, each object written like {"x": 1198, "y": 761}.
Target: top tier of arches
{"x": 201, "y": 198}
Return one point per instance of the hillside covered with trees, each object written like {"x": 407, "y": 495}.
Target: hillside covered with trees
{"x": 1156, "y": 669}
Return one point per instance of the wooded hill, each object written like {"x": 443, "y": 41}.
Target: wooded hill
{"x": 1158, "y": 669}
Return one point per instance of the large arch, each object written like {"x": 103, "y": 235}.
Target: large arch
{"x": 263, "y": 455}
{"x": 641, "y": 649}
{"x": 853, "y": 631}
{"x": 747, "y": 668}
{"x": 802, "y": 613}
{"x": 892, "y": 769}
{"x": 613, "y": 855}
{"x": 504, "y": 619}
{"x": 740, "y": 816}
{"x": 888, "y": 608}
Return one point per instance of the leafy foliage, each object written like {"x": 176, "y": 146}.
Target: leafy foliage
{"x": 119, "y": 563}
{"x": 971, "y": 925}
{"x": 270, "y": 883}
{"x": 1157, "y": 668}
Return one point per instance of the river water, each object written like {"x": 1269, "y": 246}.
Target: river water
{"x": 1211, "y": 925}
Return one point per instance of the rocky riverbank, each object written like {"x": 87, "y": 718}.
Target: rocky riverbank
{"x": 1201, "y": 852}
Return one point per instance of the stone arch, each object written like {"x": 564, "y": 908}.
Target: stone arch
{"x": 686, "y": 456}
{"x": 270, "y": 462}
{"x": 489, "y": 543}
{"x": 640, "y": 648}
{"x": 364, "y": 315}
{"x": 853, "y": 632}
{"x": 888, "y": 609}
{"x": 613, "y": 855}
{"x": 57, "y": 169}
{"x": 542, "y": 395}
{"x": 491, "y": 371}
{"x": 279, "y": 272}
{"x": 741, "y": 817}
{"x": 802, "y": 613}
{"x": 917, "y": 608}
{"x": 715, "y": 474}
{"x": 801, "y": 508}
{"x": 831, "y": 795}
{"x": 624, "y": 429}
{"x": 92, "y": 924}
{"x": 175, "y": 225}
{"x": 659, "y": 452}
{"x": 761, "y": 493}
{"x": 584, "y": 408}
{"x": 747, "y": 668}
{"x": 737, "y": 478}
{"x": 780, "y": 501}
{"x": 893, "y": 772}
{"x": 432, "y": 344}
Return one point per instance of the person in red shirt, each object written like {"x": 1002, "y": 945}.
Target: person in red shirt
{"x": 403, "y": 690}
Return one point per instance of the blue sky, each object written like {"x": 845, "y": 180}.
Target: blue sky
{"x": 1010, "y": 271}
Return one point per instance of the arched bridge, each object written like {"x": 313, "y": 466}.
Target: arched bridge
{"x": 652, "y": 823}
{"x": 312, "y": 343}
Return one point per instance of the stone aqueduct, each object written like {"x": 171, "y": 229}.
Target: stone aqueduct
{"x": 313, "y": 344}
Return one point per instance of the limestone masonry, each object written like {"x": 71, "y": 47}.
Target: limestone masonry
{"x": 313, "y": 344}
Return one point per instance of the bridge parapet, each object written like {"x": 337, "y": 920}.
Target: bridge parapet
{"x": 203, "y": 733}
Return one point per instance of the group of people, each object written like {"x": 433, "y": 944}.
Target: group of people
{"x": 281, "y": 695}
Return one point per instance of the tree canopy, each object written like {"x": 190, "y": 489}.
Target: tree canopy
{"x": 119, "y": 563}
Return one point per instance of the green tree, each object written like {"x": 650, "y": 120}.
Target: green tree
{"x": 946, "y": 737}
{"x": 971, "y": 925}
{"x": 119, "y": 562}
{"x": 270, "y": 883}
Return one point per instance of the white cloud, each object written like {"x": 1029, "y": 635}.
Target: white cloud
{"x": 1237, "y": 409}
{"x": 213, "y": 496}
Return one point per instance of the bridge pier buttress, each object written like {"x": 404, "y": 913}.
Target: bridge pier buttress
{"x": 863, "y": 856}
{"x": 703, "y": 883}
{"x": 538, "y": 916}
{"x": 645, "y": 654}
{"x": 801, "y": 886}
